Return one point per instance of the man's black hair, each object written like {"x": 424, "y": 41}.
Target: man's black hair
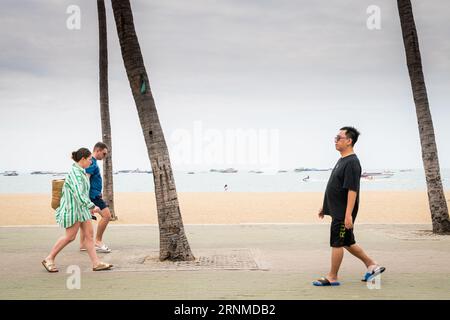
{"x": 351, "y": 133}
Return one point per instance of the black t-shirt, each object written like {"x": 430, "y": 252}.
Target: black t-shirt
{"x": 345, "y": 176}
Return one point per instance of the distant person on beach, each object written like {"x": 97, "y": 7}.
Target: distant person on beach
{"x": 341, "y": 202}
{"x": 306, "y": 178}
{"x": 225, "y": 187}
{"x": 95, "y": 194}
{"x": 75, "y": 212}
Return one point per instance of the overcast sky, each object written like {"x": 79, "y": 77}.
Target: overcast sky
{"x": 288, "y": 73}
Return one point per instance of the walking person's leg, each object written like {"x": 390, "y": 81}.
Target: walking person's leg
{"x": 71, "y": 234}
{"x": 82, "y": 237}
{"x": 88, "y": 230}
{"x": 337, "y": 254}
{"x": 88, "y": 243}
{"x": 102, "y": 224}
{"x": 373, "y": 268}
{"x": 359, "y": 253}
{"x": 337, "y": 238}
{"x": 106, "y": 216}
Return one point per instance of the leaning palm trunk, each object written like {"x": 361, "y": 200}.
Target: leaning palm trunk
{"x": 436, "y": 197}
{"x": 108, "y": 193}
{"x": 173, "y": 242}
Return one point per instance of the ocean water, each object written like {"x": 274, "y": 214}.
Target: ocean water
{"x": 237, "y": 182}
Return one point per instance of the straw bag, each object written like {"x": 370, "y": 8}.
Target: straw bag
{"x": 57, "y": 186}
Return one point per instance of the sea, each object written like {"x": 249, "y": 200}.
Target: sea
{"x": 241, "y": 181}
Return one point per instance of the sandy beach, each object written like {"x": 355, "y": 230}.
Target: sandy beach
{"x": 230, "y": 208}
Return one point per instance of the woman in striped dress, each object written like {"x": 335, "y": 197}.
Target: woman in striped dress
{"x": 75, "y": 212}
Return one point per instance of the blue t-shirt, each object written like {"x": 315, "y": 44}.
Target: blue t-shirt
{"x": 96, "y": 179}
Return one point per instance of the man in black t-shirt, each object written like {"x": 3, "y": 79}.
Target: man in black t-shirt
{"x": 341, "y": 202}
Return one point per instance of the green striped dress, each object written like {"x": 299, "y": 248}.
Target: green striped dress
{"x": 75, "y": 202}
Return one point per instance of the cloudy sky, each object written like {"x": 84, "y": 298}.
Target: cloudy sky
{"x": 237, "y": 83}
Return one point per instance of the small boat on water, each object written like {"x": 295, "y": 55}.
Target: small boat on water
{"x": 43, "y": 172}
{"x": 10, "y": 173}
{"x": 229, "y": 170}
{"x": 310, "y": 169}
{"x": 132, "y": 171}
{"x": 377, "y": 175}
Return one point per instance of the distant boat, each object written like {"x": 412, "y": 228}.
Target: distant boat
{"x": 255, "y": 171}
{"x": 309, "y": 169}
{"x": 191, "y": 172}
{"x": 123, "y": 171}
{"x": 140, "y": 171}
{"x": 10, "y": 173}
{"x": 229, "y": 170}
{"x": 406, "y": 170}
{"x": 377, "y": 175}
{"x": 282, "y": 171}
{"x": 43, "y": 172}
{"x": 132, "y": 171}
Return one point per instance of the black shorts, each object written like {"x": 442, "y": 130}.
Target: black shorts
{"x": 339, "y": 235}
{"x": 98, "y": 201}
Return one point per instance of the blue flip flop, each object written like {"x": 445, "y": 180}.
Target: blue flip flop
{"x": 324, "y": 282}
{"x": 375, "y": 272}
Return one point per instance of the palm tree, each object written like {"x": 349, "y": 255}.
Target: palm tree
{"x": 436, "y": 196}
{"x": 173, "y": 242}
{"x": 108, "y": 193}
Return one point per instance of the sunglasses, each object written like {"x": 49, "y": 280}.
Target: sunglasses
{"x": 338, "y": 137}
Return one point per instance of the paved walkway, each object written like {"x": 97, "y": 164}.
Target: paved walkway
{"x": 272, "y": 261}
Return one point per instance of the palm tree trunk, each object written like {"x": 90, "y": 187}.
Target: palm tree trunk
{"x": 436, "y": 197}
{"x": 108, "y": 190}
{"x": 173, "y": 242}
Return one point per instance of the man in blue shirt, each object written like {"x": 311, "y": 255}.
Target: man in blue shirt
{"x": 95, "y": 194}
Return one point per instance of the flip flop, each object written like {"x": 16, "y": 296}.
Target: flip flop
{"x": 324, "y": 282}
{"x": 50, "y": 267}
{"x": 375, "y": 272}
{"x": 102, "y": 266}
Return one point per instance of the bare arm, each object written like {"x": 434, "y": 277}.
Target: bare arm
{"x": 351, "y": 200}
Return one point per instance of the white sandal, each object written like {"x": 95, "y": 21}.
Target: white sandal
{"x": 103, "y": 249}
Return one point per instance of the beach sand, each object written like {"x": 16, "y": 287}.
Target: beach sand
{"x": 230, "y": 208}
